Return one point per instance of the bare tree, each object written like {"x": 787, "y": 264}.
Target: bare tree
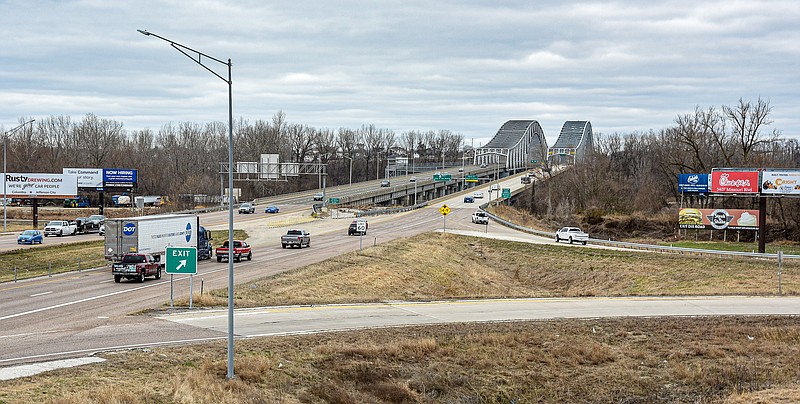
{"x": 746, "y": 121}
{"x": 97, "y": 138}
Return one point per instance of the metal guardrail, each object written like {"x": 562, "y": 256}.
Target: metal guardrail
{"x": 639, "y": 246}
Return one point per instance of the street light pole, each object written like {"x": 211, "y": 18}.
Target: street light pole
{"x": 197, "y": 57}
{"x": 5, "y": 171}
{"x": 351, "y": 168}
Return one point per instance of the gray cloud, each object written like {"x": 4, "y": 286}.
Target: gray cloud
{"x": 466, "y": 66}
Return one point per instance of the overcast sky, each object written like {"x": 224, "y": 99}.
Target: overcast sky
{"x": 465, "y": 66}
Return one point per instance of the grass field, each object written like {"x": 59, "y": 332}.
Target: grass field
{"x": 714, "y": 359}
{"x": 447, "y": 266}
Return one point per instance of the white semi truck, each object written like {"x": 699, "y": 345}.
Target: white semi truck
{"x": 153, "y": 234}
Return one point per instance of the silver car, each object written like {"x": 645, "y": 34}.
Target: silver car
{"x": 247, "y": 208}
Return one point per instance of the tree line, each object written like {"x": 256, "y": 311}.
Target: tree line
{"x": 184, "y": 158}
{"x": 637, "y": 173}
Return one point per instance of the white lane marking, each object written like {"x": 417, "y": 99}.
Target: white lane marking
{"x": 88, "y": 299}
{"x": 33, "y": 333}
{"x": 117, "y": 347}
{"x": 41, "y": 294}
{"x": 15, "y": 372}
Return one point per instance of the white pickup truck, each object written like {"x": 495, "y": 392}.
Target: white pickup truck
{"x": 60, "y": 228}
{"x": 480, "y": 217}
{"x": 572, "y": 234}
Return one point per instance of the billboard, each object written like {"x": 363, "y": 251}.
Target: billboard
{"x": 725, "y": 181}
{"x": 87, "y": 177}
{"x": 40, "y": 185}
{"x": 783, "y": 182}
{"x": 694, "y": 183}
{"x": 718, "y": 219}
{"x": 121, "y": 178}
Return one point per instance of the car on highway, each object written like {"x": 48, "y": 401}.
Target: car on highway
{"x": 241, "y": 250}
{"x": 353, "y": 229}
{"x": 480, "y": 217}
{"x": 572, "y": 234}
{"x": 30, "y": 237}
{"x": 477, "y": 195}
{"x": 60, "y": 228}
{"x": 385, "y": 183}
{"x": 484, "y": 165}
{"x": 271, "y": 209}
{"x": 247, "y": 208}
{"x": 319, "y": 196}
{"x": 296, "y": 237}
{"x": 469, "y": 199}
{"x": 413, "y": 179}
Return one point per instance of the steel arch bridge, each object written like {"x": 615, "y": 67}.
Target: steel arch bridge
{"x": 516, "y": 144}
{"x": 573, "y": 144}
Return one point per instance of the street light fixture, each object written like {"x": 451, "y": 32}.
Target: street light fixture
{"x": 197, "y": 57}
{"x": 351, "y": 168}
{"x": 5, "y": 197}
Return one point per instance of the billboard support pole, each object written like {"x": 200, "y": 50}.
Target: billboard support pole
{"x": 762, "y": 223}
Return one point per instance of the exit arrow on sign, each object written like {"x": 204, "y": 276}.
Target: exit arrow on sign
{"x": 181, "y": 265}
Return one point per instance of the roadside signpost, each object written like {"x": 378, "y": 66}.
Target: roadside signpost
{"x": 442, "y": 177}
{"x": 334, "y": 200}
{"x": 444, "y": 210}
{"x": 361, "y": 228}
{"x": 506, "y": 193}
{"x": 180, "y": 260}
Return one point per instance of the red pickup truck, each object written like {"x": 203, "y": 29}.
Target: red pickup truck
{"x": 240, "y": 250}
{"x": 136, "y": 266}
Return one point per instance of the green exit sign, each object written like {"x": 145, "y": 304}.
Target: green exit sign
{"x": 181, "y": 260}
{"x": 334, "y": 200}
{"x": 471, "y": 178}
{"x": 506, "y": 193}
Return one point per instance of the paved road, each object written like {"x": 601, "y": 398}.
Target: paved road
{"x": 303, "y": 319}
{"x": 63, "y": 316}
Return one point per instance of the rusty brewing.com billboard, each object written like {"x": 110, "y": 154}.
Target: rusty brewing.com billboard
{"x": 29, "y": 185}
{"x": 734, "y": 182}
{"x": 718, "y": 219}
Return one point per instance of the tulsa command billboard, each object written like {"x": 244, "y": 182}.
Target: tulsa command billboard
{"x": 99, "y": 178}
{"x": 36, "y": 185}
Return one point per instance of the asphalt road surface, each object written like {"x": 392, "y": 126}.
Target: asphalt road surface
{"x": 75, "y": 314}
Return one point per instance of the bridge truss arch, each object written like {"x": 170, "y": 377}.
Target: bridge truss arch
{"x": 574, "y": 142}
{"x": 514, "y": 146}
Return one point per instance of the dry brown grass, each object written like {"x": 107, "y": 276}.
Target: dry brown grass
{"x": 447, "y": 266}
{"x": 599, "y": 360}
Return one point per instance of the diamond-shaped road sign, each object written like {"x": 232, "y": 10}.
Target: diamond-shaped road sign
{"x": 444, "y": 210}
{"x": 181, "y": 260}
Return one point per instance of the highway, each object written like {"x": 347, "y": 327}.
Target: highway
{"x": 47, "y": 318}
{"x": 76, "y": 314}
